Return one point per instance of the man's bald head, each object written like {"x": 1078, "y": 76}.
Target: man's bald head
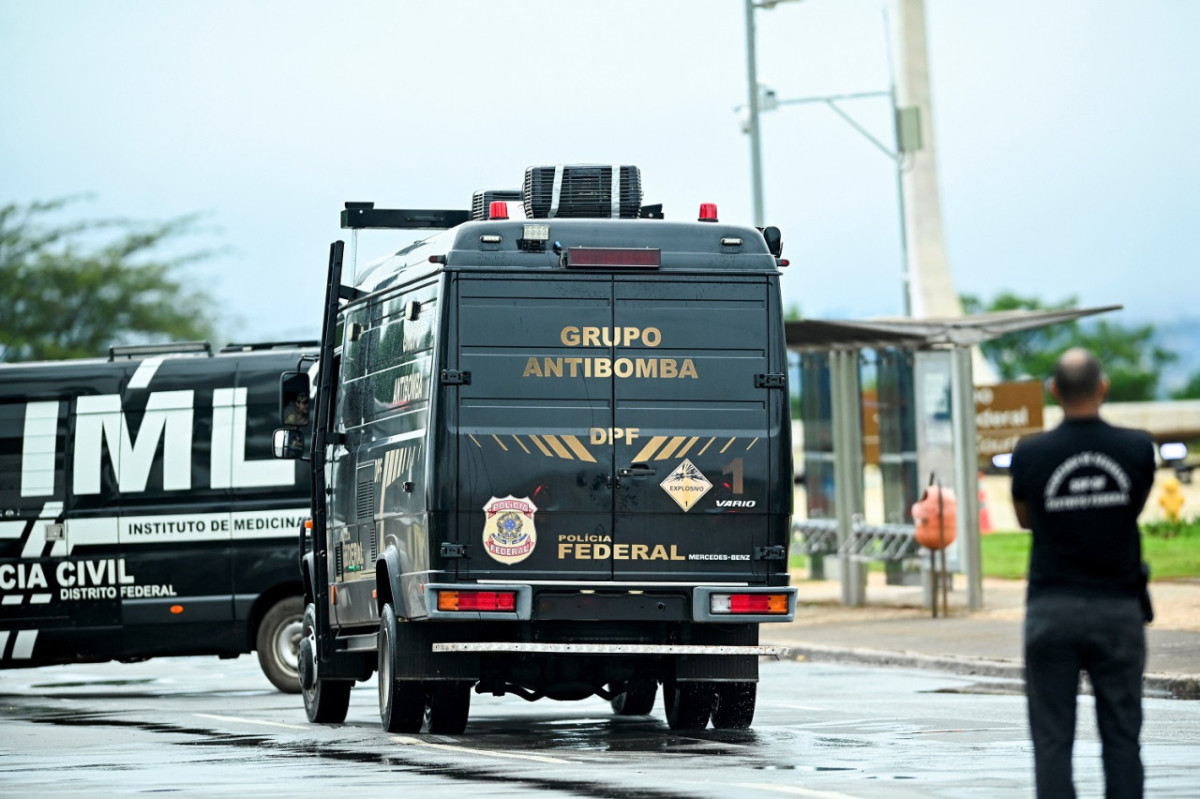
{"x": 1078, "y": 377}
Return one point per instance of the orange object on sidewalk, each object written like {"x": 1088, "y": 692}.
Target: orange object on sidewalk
{"x": 985, "y": 518}
{"x": 935, "y": 516}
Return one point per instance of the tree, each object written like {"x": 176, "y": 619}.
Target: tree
{"x": 1191, "y": 390}
{"x": 1030, "y": 353}
{"x": 72, "y": 290}
{"x": 1132, "y": 361}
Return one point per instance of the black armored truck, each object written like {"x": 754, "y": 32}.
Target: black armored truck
{"x": 551, "y": 458}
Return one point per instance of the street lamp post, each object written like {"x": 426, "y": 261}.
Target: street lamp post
{"x": 752, "y": 105}
{"x": 752, "y": 126}
{"x": 906, "y": 121}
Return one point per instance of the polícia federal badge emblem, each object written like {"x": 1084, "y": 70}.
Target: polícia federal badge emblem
{"x": 508, "y": 532}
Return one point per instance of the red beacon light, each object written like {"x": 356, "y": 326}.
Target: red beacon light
{"x": 498, "y": 210}
{"x": 708, "y": 212}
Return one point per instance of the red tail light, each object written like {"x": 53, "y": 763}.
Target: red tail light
{"x": 476, "y": 601}
{"x": 750, "y": 604}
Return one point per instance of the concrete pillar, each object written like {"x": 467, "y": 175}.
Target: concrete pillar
{"x": 846, "y": 396}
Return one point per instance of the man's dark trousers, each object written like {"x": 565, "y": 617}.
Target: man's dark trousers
{"x": 1104, "y": 637}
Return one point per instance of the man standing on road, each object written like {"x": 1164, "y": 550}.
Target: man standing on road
{"x": 1080, "y": 488}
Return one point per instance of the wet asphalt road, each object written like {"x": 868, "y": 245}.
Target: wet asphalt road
{"x": 200, "y": 726}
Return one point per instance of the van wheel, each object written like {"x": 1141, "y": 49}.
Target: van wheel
{"x": 637, "y": 699}
{"x": 325, "y": 701}
{"x": 278, "y": 643}
{"x": 401, "y": 702}
{"x": 449, "y": 706}
{"x": 688, "y": 704}
{"x": 735, "y": 705}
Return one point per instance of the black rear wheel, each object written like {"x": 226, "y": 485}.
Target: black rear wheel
{"x": 636, "y": 700}
{"x": 449, "y": 707}
{"x": 688, "y": 704}
{"x": 734, "y": 708}
{"x": 401, "y": 702}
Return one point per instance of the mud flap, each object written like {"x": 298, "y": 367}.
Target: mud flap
{"x": 716, "y": 667}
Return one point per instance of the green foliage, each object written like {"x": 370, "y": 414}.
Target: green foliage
{"x": 1173, "y": 551}
{"x": 1190, "y": 391}
{"x": 1027, "y": 354}
{"x": 1132, "y": 361}
{"x": 72, "y": 290}
{"x": 1167, "y": 529}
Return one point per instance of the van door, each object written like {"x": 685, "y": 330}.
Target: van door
{"x": 182, "y": 420}
{"x": 535, "y": 494}
{"x": 33, "y": 542}
{"x": 695, "y": 455}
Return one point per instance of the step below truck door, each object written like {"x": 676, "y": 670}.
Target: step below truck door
{"x": 694, "y": 454}
{"x": 534, "y": 493}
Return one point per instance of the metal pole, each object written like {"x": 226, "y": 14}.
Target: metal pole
{"x": 966, "y": 471}
{"x": 846, "y": 398}
{"x": 752, "y": 105}
{"x": 905, "y": 279}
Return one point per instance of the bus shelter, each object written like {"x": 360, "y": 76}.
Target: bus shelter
{"x": 926, "y": 404}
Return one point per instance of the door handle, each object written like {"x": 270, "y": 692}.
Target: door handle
{"x": 636, "y": 470}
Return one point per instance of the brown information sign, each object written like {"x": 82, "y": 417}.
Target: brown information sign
{"x": 1004, "y": 414}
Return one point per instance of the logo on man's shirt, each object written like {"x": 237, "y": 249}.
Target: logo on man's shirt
{"x": 1086, "y": 481}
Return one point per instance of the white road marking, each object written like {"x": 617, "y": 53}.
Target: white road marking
{"x": 237, "y": 720}
{"x": 794, "y": 790}
{"x": 481, "y": 752}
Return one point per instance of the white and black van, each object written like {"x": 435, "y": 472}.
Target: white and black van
{"x": 141, "y": 511}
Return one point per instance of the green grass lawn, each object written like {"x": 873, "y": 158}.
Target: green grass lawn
{"x": 1171, "y": 550}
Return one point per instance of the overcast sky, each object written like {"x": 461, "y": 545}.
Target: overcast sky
{"x": 1067, "y": 131}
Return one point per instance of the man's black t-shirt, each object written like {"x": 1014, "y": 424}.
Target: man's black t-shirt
{"x": 1084, "y": 483}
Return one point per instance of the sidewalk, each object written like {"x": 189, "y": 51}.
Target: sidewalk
{"x": 894, "y": 629}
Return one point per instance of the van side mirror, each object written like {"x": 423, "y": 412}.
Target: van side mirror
{"x": 295, "y": 399}
{"x": 287, "y": 443}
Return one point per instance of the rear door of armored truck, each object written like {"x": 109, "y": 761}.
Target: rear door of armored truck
{"x": 531, "y": 484}
{"x": 692, "y": 439}
{"x": 614, "y": 426}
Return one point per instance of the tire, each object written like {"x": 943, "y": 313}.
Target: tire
{"x": 688, "y": 704}
{"x": 734, "y": 708}
{"x": 325, "y": 701}
{"x": 277, "y": 642}
{"x": 637, "y": 699}
{"x": 449, "y": 707}
{"x": 401, "y": 702}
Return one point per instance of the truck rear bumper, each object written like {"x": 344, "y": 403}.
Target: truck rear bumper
{"x": 611, "y": 649}
{"x": 705, "y": 604}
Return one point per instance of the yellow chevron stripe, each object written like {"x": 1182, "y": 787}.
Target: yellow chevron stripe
{"x": 579, "y": 449}
{"x": 557, "y": 446}
{"x": 649, "y": 449}
{"x": 473, "y": 438}
{"x": 670, "y": 448}
{"x": 521, "y": 445}
{"x": 727, "y": 445}
{"x": 706, "y": 446}
{"x": 751, "y": 444}
{"x": 498, "y": 441}
{"x": 688, "y": 446}
{"x": 541, "y": 446}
